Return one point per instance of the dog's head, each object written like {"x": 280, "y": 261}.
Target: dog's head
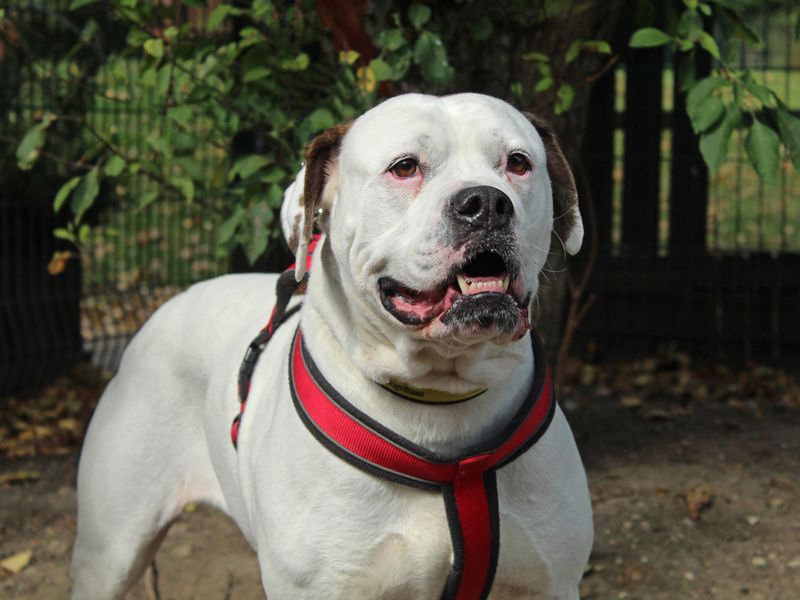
{"x": 439, "y": 212}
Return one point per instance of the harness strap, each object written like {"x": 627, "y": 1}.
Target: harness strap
{"x": 285, "y": 288}
{"x": 467, "y": 481}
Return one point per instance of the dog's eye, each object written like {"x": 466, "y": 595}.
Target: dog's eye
{"x": 405, "y": 168}
{"x": 518, "y": 163}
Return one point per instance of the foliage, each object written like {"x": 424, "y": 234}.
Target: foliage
{"x": 728, "y": 99}
{"x": 224, "y": 104}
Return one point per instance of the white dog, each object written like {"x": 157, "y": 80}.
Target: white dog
{"x": 462, "y": 479}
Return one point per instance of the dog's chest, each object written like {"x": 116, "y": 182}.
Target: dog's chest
{"x": 360, "y": 537}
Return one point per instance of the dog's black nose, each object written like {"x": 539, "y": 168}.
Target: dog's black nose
{"x": 481, "y": 207}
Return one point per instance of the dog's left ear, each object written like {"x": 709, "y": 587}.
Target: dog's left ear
{"x": 320, "y": 182}
{"x": 567, "y": 221}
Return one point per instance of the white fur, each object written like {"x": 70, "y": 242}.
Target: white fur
{"x": 321, "y": 528}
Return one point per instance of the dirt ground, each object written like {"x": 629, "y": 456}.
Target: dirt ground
{"x": 696, "y": 492}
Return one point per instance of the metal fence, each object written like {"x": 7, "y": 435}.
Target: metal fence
{"x": 135, "y": 258}
{"x": 710, "y": 264}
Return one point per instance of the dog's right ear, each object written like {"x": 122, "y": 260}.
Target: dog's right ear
{"x": 314, "y": 188}
{"x": 567, "y": 217}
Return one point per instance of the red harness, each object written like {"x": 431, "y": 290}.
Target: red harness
{"x": 467, "y": 480}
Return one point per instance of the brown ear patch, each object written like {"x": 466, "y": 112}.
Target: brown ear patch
{"x": 321, "y": 152}
{"x": 565, "y": 194}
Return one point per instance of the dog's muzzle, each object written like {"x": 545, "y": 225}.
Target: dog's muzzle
{"x": 482, "y": 291}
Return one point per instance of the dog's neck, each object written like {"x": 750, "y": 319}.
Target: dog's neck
{"x": 362, "y": 351}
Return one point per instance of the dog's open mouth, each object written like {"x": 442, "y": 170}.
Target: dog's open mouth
{"x": 478, "y": 293}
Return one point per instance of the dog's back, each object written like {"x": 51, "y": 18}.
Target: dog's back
{"x": 146, "y": 446}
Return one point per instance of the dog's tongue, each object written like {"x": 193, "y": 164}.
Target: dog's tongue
{"x": 420, "y": 305}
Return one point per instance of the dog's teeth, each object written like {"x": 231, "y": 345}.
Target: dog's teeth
{"x": 462, "y": 283}
{"x": 506, "y": 282}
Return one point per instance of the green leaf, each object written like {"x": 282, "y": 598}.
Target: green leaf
{"x": 687, "y": 72}
{"x": 564, "y": 98}
{"x": 391, "y": 39}
{"x": 536, "y": 56}
{"x": 85, "y": 194}
{"x": 259, "y": 217}
{"x": 185, "y": 185}
{"x": 220, "y": 14}
{"x": 702, "y": 90}
{"x": 247, "y": 165}
{"x": 275, "y": 196}
{"x": 648, "y": 37}
{"x": 543, "y": 85}
{"x": 145, "y": 199}
{"x": 789, "y": 129}
{"x": 255, "y": 73}
{"x": 228, "y": 227}
{"x": 764, "y": 150}
{"x": 64, "y": 192}
{"x": 181, "y": 114}
{"x": 708, "y": 43}
{"x": 597, "y": 46}
{"x": 64, "y": 234}
{"x": 714, "y": 144}
{"x": 430, "y": 55}
{"x": 320, "y": 119}
{"x": 707, "y": 113}
{"x": 154, "y": 47}
{"x": 159, "y": 144}
{"x": 298, "y": 63}
{"x": 32, "y": 143}
{"x": 573, "y": 51}
{"x": 765, "y": 96}
{"x": 192, "y": 167}
{"x": 273, "y": 175}
{"x": 740, "y": 29}
{"x": 689, "y": 26}
{"x": 76, "y": 4}
{"x": 114, "y": 166}
{"x": 419, "y": 14}
{"x": 381, "y": 69}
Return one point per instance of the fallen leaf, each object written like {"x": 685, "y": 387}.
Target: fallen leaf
{"x": 782, "y": 483}
{"x": 698, "y": 499}
{"x": 59, "y": 262}
{"x": 16, "y": 562}
{"x": 630, "y": 401}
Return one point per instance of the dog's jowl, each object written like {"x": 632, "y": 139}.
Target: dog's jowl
{"x": 394, "y": 434}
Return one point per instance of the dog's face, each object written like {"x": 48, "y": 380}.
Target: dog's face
{"x": 441, "y": 212}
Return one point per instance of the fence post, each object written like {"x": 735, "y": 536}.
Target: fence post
{"x": 688, "y": 195}
{"x": 40, "y": 335}
{"x": 640, "y": 193}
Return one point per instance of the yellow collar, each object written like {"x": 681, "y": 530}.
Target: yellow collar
{"x": 428, "y": 396}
